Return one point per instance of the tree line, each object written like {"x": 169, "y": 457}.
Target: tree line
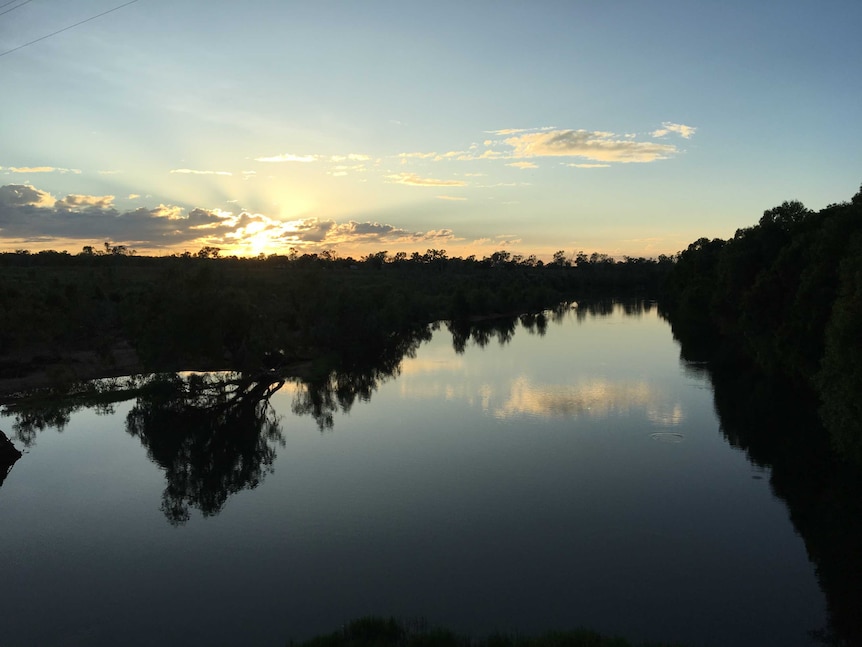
{"x": 208, "y": 311}
{"x": 784, "y": 295}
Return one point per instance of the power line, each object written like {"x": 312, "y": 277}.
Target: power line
{"x": 14, "y": 8}
{"x": 60, "y": 31}
{"x": 7, "y": 4}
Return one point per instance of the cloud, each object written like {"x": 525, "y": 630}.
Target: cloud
{"x": 680, "y": 129}
{"x": 450, "y": 197}
{"x": 523, "y": 165}
{"x": 31, "y": 217}
{"x": 287, "y": 157}
{"x": 589, "y": 398}
{"x": 189, "y": 171}
{"x": 498, "y": 242}
{"x": 24, "y": 195}
{"x": 593, "y": 145}
{"x": 589, "y": 165}
{"x": 353, "y": 157}
{"x": 39, "y": 169}
{"x": 417, "y": 155}
{"x": 311, "y": 230}
{"x": 341, "y": 170}
{"x": 507, "y": 131}
{"x": 73, "y": 202}
{"x": 515, "y": 131}
{"x": 328, "y": 233}
{"x": 412, "y": 179}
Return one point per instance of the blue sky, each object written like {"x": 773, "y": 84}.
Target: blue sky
{"x": 629, "y": 128}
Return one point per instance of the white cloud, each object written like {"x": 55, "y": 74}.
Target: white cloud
{"x": 417, "y": 155}
{"x": 287, "y": 157}
{"x": 523, "y": 165}
{"x": 412, "y": 179}
{"x": 588, "y": 165}
{"x": 39, "y": 169}
{"x": 450, "y": 197}
{"x": 680, "y": 129}
{"x": 353, "y": 157}
{"x": 593, "y": 145}
{"x": 343, "y": 169}
{"x": 189, "y": 171}
{"x": 508, "y": 131}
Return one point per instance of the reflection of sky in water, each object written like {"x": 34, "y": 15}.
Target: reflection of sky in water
{"x": 564, "y": 374}
{"x": 598, "y": 398}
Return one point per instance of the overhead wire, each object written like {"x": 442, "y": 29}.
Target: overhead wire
{"x": 13, "y": 8}
{"x": 60, "y": 31}
{"x": 7, "y": 3}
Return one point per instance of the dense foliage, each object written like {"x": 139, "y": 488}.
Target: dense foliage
{"x": 203, "y": 311}
{"x": 785, "y": 295}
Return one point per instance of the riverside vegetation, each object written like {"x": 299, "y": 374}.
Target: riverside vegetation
{"x": 202, "y": 311}
{"x": 782, "y": 298}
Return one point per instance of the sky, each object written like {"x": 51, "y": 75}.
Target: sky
{"x": 623, "y": 127}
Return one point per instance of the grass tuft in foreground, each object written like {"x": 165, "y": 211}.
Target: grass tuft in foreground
{"x": 381, "y": 632}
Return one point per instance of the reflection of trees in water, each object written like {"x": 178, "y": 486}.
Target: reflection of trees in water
{"x": 213, "y": 435}
{"x": 40, "y": 411}
{"x": 535, "y": 324}
{"x": 779, "y": 428}
{"x": 483, "y": 331}
{"x": 357, "y": 378}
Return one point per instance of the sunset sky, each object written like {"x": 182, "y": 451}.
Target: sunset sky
{"x": 624, "y": 127}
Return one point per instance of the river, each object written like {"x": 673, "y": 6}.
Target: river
{"x": 544, "y": 472}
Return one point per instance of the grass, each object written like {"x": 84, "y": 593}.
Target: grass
{"x": 376, "y": 631}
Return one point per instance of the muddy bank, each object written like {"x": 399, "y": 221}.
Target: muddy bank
{"x": 41, "y": 369}
{"x": 24, "y": 372}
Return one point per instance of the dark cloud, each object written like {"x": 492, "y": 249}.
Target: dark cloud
{"x": 78, "y": 202}
{"x": 13, "y": 195}
{"x": 311, "y": 230}
{"x": 373, "y": 229}
{"x": 29, "y": 215}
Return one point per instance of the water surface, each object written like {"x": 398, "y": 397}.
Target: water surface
{"x": 555, "y": 472}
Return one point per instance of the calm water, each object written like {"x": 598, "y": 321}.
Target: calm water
{"x": 570, "y": 473}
